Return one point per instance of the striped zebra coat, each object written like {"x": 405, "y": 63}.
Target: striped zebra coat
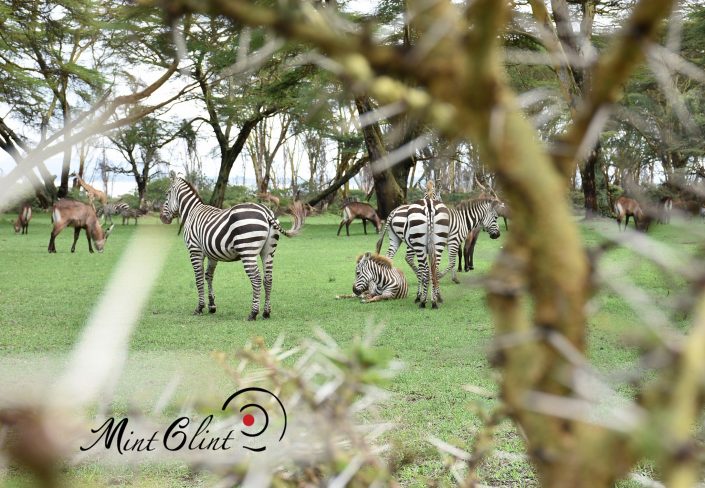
{"x": 240, "y": 233}
{"x": 481, "y": 212}
{"x": 109, "y": 209}
{"x": 377, "y": 279}
{"x": 423, "y": 226}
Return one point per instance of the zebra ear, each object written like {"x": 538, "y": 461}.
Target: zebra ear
{"x": 368, "y": 255}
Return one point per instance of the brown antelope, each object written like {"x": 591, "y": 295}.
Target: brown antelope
{"x": 628, "y": 207}
{"x": 22, "y": 222}
{"x": 93, "y": 193}
{"x": 359, "y": 210}
{"x": 70, "y": 213}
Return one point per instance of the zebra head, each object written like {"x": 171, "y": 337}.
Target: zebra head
{"x": 171, "y": 204}
{"x": 364, "y": 273}
{"x": 489, "y": 218}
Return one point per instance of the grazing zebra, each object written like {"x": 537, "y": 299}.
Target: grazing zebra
{"x": 377, "y": 279}
{"x": 132, "y": 213}
{"x": 242, "y": 232}
{"x": 109, "y": 209}
{"x": 466, "y": 216}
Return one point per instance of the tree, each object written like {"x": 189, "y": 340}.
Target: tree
{"x": 139, "y": 144}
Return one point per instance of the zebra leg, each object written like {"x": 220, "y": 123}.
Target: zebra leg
{"x": 410, "y": 259}
{"x": 422, "y": 275}
{"x": 197, "y": 263}
{"x": 268, "y": 263}
{"x": 252, "y": 270}
{"x": 452, "y": 256}
{"x": 210, "y": 271}
{"x": 436, "y": 289}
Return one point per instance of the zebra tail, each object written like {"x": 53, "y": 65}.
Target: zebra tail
{"x": 298, "y": 212}
{"x": 382, "y": 234}
{"x": 430, "y": 243}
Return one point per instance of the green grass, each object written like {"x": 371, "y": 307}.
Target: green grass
{"x": 46, "y": 299}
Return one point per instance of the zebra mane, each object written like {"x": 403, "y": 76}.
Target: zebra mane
{"x": 193, "y": 189}
{"x": 476, "y": 201}
{"x": 377, "y": 258}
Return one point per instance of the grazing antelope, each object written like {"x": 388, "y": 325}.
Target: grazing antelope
{"x": 359, "y": 210}
{"x": 70, "y": 213}
{"x": 628, "y": 207}
{"x": 240, "y": 233}
{"x": 132, "y": 213}
{"x": 377, "y": 279}
{"x": 93, "y": 193}
{"x": 22, "y": 222}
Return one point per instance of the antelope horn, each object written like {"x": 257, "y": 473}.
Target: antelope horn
{"x": 107, "y": 232}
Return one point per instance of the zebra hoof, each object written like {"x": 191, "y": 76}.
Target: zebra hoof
{"x": 434, "y": 305}
{"x": 417, "y": 300}
{"x": 439, "y": 299}
{"x": 422, "y": 304}
{"x": 198, "y": 311}
{"x": 252, "y": 316}
{"x": 456, "y": 281}
{"x": 211, "y": 308}
{"x": 265, "y": 315}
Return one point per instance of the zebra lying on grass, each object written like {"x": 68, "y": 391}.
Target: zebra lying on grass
{"x": 481, "y": 212}
{"x": 239, "y": 233}
{"x": 377, "y": 279}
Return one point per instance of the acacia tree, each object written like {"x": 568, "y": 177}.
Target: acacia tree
{"x": 139, "y": 144}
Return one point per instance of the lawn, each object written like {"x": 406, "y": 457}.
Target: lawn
{"x": 46, "y": 299}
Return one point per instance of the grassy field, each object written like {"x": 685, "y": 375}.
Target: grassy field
{"x": 46, "y": 299}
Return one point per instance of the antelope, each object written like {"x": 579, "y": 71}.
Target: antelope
{"x": 70, "y": 213}
{"x": 359, "y": 210}
{"x": 628, "y": 207}
{"x": 22, "y": 222}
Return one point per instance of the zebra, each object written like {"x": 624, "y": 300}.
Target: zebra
{"x": 239, "y": 233}
{"x": 464, "y": 218}
{"x": 396, "y": 223}
{"x": 109, "y": 209}
{"x": 132, "y": 213}
{"x": 377, "y": 279}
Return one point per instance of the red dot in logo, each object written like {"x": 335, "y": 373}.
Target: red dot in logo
{"x": 248, "y": 420}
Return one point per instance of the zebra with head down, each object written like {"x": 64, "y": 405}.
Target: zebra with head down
{"x": 377, "y": 279}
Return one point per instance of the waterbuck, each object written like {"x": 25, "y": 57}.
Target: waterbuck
{"x": 22, "y": 222}
{"x": 628, "y": 207}
{"x": 70, "y": 213}
{"x": 359, "y": 210}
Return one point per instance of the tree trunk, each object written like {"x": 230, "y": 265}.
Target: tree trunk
{"x": 227, "y": 159}
{"x": 587, "y": 174}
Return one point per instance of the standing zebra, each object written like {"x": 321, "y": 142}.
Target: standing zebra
{"x": 423, "y": 225}
{"x": 464, "y": 218}
{"x": 109, "y": 209}
{"x": 239, "y": 233}
{"x": 377, "y": 279}
{"x": 396, "y": 223}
